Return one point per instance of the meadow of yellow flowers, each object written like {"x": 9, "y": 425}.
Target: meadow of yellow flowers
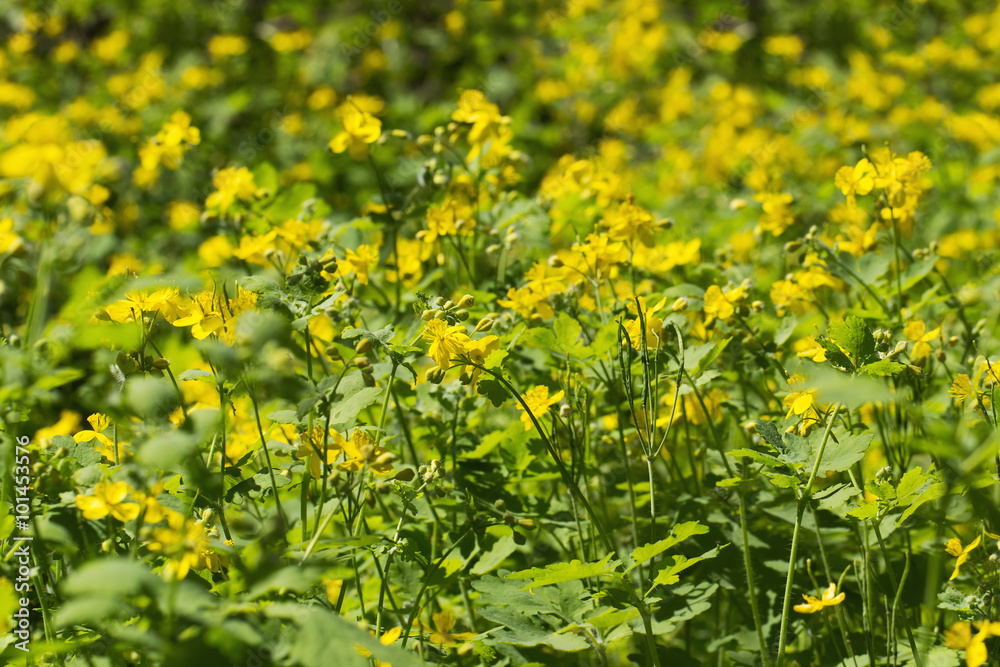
{"x": 474, "y": 332}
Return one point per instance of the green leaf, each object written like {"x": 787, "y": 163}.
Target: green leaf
{"x": 854, "y": 337}
{"x": 865, "y": 511}
{"x": 668, "y": 576}
{"x": 769, "y": 432}
{"x": 196, "y": 374}
{"x": 346, "y": 409}
{"x": 284, "y": 417}
{"x": 882, "y": 368}
{"x": 678, "y": 534}
{"x": 494, "y": 359}
{"x": 562, "y": 572}
{"x": 493, "y": 390}
{"x": 496, "y": 555}
{"x": 383, "y": 336}
{"x": 83, "y": 452}
{"x": 112, "y": 578}
{"x": 758, "y": 457}
{"x": 323, "y": 635}
{"x": 834, "y": 354}
{"x": 840, "y": 456}
{"x": 705, "y": 361}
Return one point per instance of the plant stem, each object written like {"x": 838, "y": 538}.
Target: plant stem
{"x": 803, "y": 501}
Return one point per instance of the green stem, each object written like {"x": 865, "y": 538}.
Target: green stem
{"x": 803, "y": 501}
{"x": 751, "y": 586}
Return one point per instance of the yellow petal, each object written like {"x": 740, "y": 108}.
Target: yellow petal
{"x": 391, "y": 635}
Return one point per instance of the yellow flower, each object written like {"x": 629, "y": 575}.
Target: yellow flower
{"x": 223, "y": 47}
{"x": 959, "y": 637}
{"x": 954, "y": 548}
{"x": 108, "y": 498}
{"x": 360, "y": 450}
{"x": 311, "y": 445}
{"x": 442, "y": 635}
{"x": 917, "y": 332}
{"x": 358, "y": 262}
{"x": 164, "y": 301}
{"x": 812, "y": 605}
{"x": 9, "y": 240}
{"x": 360, "y": 128}
{"x": 231, "y": 184}
{"x": 856, "y": 180}
{"x": 538, "y": 402}
{"x": 961, "y": 389}
{"x": 445, "y": 342}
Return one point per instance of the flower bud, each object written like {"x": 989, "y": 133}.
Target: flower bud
{"x": 467, "y": 301}
{"x": 565, "y": 411}
{"x": 363, "y": 346}
{"x": 680, "y": 304}
{"x": 435, "y": 375}
{"x": 793, "y": 246}
{"x": 362, "y": 362}
{"x": 509, "y": 519}
{"x": 499, "y": 504}
{"x": 161, "y": 363}
{"x": 462, "y": 315}
{"x": 527, "y": 524}
{"x": 485, "y": 324}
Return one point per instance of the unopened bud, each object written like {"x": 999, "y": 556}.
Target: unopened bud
{"x": 467, "y": 301}
{"x": 500, "y": 504}
{"x": 384, "y": 459}
{"x": 161, "y": 363}
{"x": 793, "y": 246}
{"x": 680, "y": 304}
{"x": 363, "y": 347}
{"x": 462, "y": 315}
{"x": 362, "y": 362}
{"x": 757, "y": 306}
{"x": 527, "y": 524}
{"x": 332, "y": 351}
{"x": 448, "y": 305}
{"x": 565, "y": 411}
{"x": 940, "y": 355}
{"x": 953, "y": 341}
{"x": 485, "y": 324}
{"x": 555, "y": 262}
{"x": 509, "y": 519}
{"x": 737, "y": 204}
{"x": 435, "y": 375}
